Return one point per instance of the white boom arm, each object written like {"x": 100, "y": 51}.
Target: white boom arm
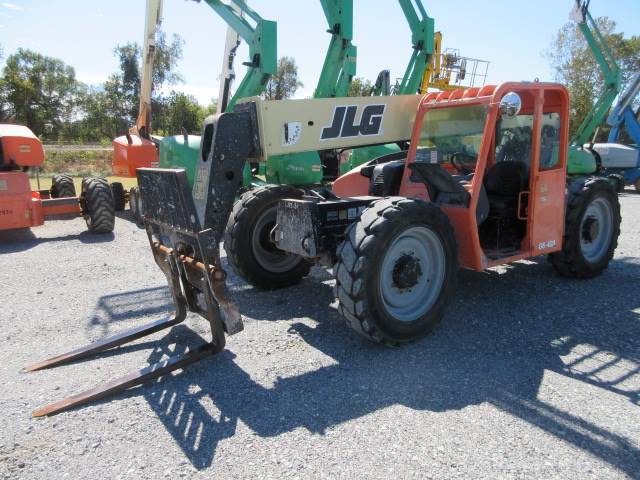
{"x": 153, "y": 21}
{"x": 228, "y": 74}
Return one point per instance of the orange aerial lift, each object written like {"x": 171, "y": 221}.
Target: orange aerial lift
{"x": 20, "y": 207}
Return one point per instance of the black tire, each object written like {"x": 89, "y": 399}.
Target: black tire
{"x": 62, "y": 186}
{"x": 618, "y": 182}
{"x": 250, "y": 252}
{"x": 571, "y": 260}
{"x": 97, "y": 203}
{"x": 637, "y": 185}
{"x": 133, "y": 204}
{"x": 119, "y": 200}
{"x": 361, "y": 259}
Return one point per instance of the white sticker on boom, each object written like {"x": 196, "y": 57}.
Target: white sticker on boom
{"x": 3, "y": 185}
{"x": 291, "y": 133}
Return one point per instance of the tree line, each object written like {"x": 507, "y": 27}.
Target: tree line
{"x": 43, "y": 93}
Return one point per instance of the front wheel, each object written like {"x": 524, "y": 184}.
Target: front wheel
{"x": 618, "y": 182}
{"x": 250, "y": 250}
{"x": 592, "y": 227}
{"x": 396, "y": 270}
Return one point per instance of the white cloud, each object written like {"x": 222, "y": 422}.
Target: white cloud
{"x": 11, "y": 6}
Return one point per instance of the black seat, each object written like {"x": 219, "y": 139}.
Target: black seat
{"x": 503, "y": 182}
{"x": 445, "y": 189}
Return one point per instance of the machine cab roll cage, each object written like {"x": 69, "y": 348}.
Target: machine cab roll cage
{"x": 540, "y": 205}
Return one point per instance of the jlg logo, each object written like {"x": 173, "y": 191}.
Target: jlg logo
{"x": 344, "y": 124}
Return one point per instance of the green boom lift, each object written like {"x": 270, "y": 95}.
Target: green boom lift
{"x": 581, "y": 160}
{"x": 181, "y": 151}
{"x": 422, "y": 38}
{"x": 338, "y": 70}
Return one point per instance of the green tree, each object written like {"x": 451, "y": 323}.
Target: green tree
{"x": 123, "y": 87}
{"x": 285, "y": 82}
{"x": 575, "y": 66}
{"x": 360, "y": 87}
{"x": 38, "y": 91}
{"x": 179, "y": 111}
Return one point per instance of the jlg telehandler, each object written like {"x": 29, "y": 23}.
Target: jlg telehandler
{"x": 483, "y": 183}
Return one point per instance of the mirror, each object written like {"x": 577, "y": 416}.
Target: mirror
{"x": 510, "y": 105}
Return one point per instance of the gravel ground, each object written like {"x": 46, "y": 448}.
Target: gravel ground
{"x": 529, "y": 376}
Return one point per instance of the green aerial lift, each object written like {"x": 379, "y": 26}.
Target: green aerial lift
{"x": 181, "y": 151}
{"x": 339, "y": 68}
{"x": 422, "y": 38}
{"x": 582, "y": 160}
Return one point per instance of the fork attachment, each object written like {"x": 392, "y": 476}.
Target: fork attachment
{"x": 184, "y": 229}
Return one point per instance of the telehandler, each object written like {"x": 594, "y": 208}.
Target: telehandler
{"x": 396, "y": 229}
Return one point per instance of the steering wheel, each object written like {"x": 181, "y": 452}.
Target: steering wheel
{"x": 459, "y": 165}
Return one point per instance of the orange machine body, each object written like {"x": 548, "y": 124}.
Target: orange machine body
{"x": 131, "y": 152}
{"x": 545, "y": 198}
{"x": 20, "y": 147}
{"x": 20, "y": 207}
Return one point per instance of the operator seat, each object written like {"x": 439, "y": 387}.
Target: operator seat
{"x": 503, "y": 182}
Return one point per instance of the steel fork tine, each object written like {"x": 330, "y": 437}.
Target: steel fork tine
{"x": 109, "y": 342}
{"x": 132, "y": 379}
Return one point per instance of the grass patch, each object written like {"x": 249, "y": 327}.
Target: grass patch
{"x": 81, "y": 163}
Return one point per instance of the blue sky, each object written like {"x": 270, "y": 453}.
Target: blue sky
{"x": 512, "y": 34}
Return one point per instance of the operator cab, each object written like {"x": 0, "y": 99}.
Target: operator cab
{"x": 518, "y": 169}
{"x": 460, "y": 140}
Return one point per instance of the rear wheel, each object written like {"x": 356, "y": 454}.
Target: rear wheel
{"x": 637, "y": 185}
{"x": 396, "y": 270}
{"x": 618, "y": 182}
{"x": 592, "y": 227}
{"x": 247, "y": 241}
{"x": 62, "y": 186}
{"x": 119, "y": 200}
{"x": 97, "y": 202}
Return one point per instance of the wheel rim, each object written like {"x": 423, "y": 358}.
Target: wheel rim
{"x": 596, "y": 230}
{"x": 265, "y": 252}
{"x": 412, "y": 273}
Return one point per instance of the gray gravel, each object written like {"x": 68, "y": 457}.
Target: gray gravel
{"x": 529, "y": 376}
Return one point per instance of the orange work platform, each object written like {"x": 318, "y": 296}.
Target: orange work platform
{"x": 131, "y": 152}
{"x": 20, "y": 146}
